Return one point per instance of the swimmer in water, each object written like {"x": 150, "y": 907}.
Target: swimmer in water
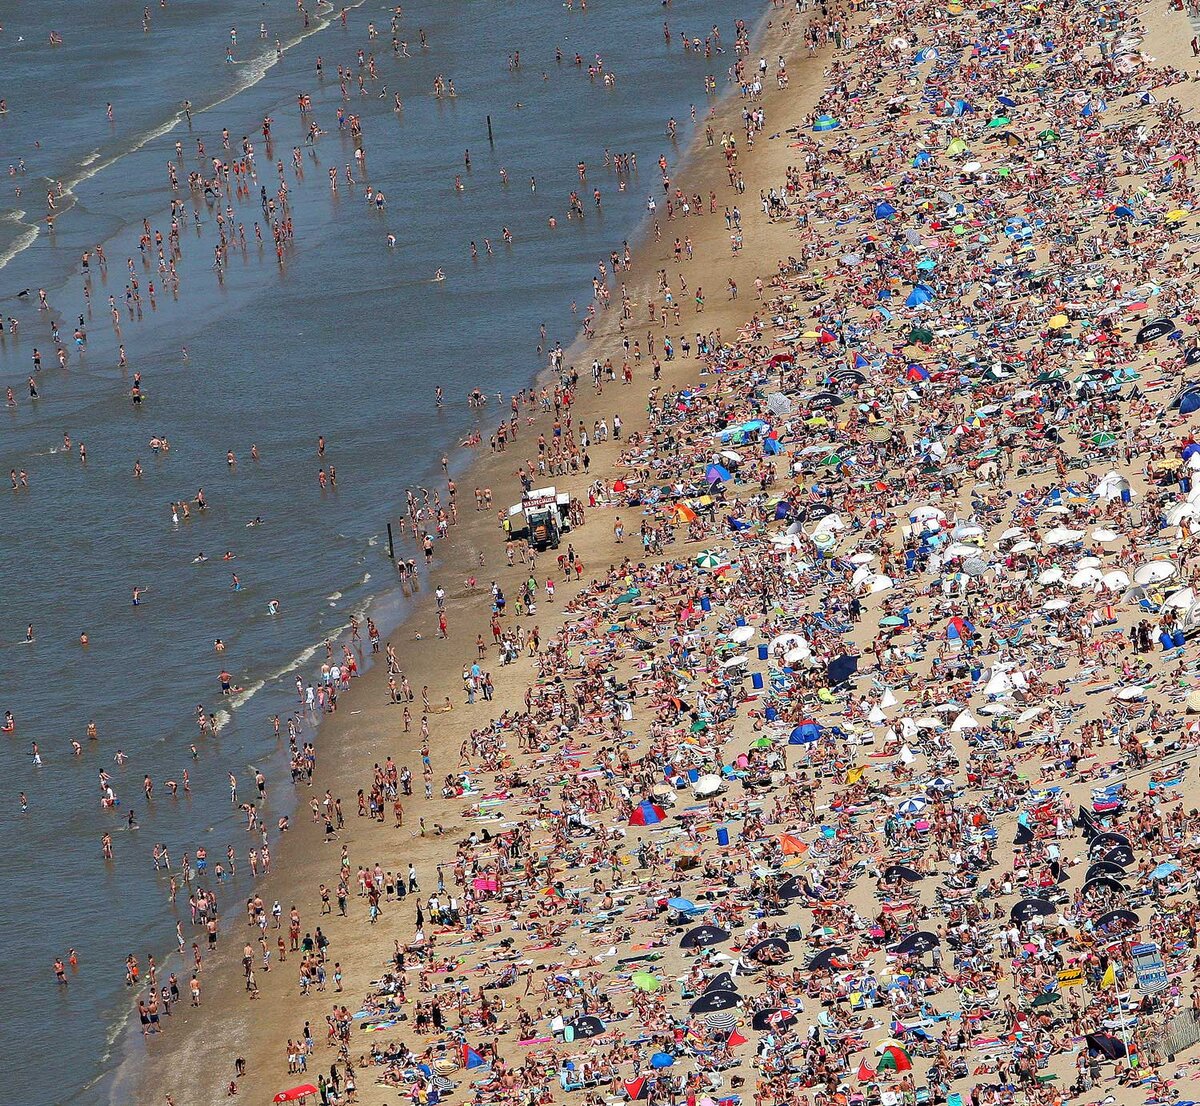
{"x": 199, "y": 558}
{"x": 273, "y": 607}
{"x": 439, "y": 275}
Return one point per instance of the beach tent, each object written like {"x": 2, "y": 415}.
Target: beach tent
{"x": 646, "y": 814}
{"x": 921, "y": 294}
{"x": 1188, "y": 402}
{"x": 1106, "y": 1045}
{"x": 884, "y": 210}
{"x": 959, "y": 629}
{"x": 826, "y": 123}
{"x": 294, "y": 1093}
{"x": 472, "y": 1059}
{"x": 805, "y": 733}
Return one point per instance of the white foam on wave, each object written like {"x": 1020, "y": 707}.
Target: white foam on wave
{"x": 22, "y": 243}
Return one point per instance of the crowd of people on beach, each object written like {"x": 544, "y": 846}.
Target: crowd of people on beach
{"x": 855, "y": 767}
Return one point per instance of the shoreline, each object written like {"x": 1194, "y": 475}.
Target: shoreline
{"x": 373, "y": 735}
{"x": 361, "y": 740}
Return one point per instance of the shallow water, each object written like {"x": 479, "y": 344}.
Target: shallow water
{"x": 347, "y": 340}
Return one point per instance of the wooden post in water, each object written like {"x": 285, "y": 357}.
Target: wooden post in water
{"x": 391, "y": 544}
{"x": 491, "y": 140}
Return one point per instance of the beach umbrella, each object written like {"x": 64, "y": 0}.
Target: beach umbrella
{"x": 918, "y": 943}
{"x": 294, "y": 1093}
{"x": 826, "y": 123}
{"x": 791, "y": 845}
{"x": 645, "y": 981}
{"x": 710, "y": 558}
{"x": 902, "y": 872}
{"x": 646, "y": 814}
{"x": 1155, "y": 572}
{"x": 777, "y": 944}
{"x": 637, "y": 1089}
{"x": 1104, "y": 883}
{"x": 1113, "y": 917}
{"x": 1103, "y": 868}
{"x": 715, "y": 474}
{"x": 1046, "y": 998}
{"x": 1027, "y": 909}
{"x": 684, "y": 906}
{"x": 741, "y": 634}
{"x": 773, "y": 1019}
{"x": 722, "y": 981}
{"x": 1160, "y": 328}
{"x": 661, "y": 1060}
{"x": 914, "y": 805}
{"x": 893, "y": 1057}
{"x": 1119, "y": 854}
{"x": 824, "y": 959}
{"x": 721, "y": 1021}
{"x": 790, "y": 888}
{"x": 587, "y": 1025}
{"x": 707, "y": 785}
{"x": 702, "y": 935}
{"x": 715, "y": 1000}
{"x": 1107, "y": 840}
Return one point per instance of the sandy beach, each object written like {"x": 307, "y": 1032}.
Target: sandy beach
{"x": 841, "y": 771}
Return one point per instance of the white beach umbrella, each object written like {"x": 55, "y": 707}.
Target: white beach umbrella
{"x": 1155, "y": 572}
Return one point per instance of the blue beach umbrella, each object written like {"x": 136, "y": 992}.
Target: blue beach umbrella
{"x": 826, "y": 123}
{"x": 714, "y": 474}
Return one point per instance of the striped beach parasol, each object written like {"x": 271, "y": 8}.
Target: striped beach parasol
{"x": 721, "y": 1021}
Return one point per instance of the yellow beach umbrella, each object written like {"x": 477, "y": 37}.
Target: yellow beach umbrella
{"x": 1177, "y": 216}
{"x": 1057, "y": 321}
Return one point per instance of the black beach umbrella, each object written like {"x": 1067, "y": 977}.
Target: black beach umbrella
{"x": 699, "y": 936}
{"x": 1115, "y": 917}
{"x": 790, "y": 888}
{"x": 918, "y": 944}
{"x": 715, "y": 1000}
{"x": 819, "y": 510}
{"x": 722, "y": 981}
{"x": 1119, "y": 854}
{"x": 1104, "y": 868}
{"x": 587, "y": 1026}
{"x": 769, "y": 943}
{"x": 902, "y": 872}
{"x": 1024, "y": 835}
{"x": 1107, "y": 840}
{"x": 823, "y": 400}
{"x": 1193, "y": 356}
{"x": 1104, "y": 883}
{"x": 1031, "y": 908}
{"x": 1160, "y": 328}
{"x": 824, "y": 959}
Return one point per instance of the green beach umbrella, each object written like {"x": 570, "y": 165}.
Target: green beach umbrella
{"x": 710, "y": 559}
{"x": 1103, "y": 439}
{"x": 644, "y": 981}
{"x": 832, "y": 461}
